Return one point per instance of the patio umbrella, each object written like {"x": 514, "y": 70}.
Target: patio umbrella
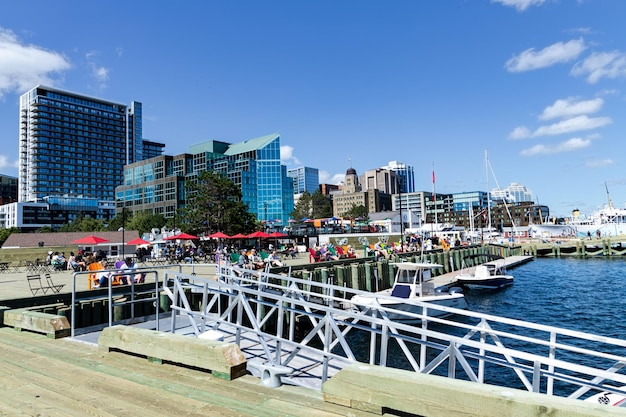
{"x": 219, "y": 235}
{"x": 138, "y": 241}
{"x": 239, "y": 236}
{"x": 278, "y": 234}
{"x": 90, "y": 240}
{"x": 182, "y": 236}
{"x": 258, "y": 234}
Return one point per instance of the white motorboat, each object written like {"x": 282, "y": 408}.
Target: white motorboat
{"x": 412, "y": 289}
{"x": 489, "y": 275}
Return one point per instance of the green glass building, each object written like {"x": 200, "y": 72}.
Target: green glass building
{"x": 157, "y": 184}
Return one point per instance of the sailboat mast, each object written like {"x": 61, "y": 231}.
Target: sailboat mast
{"x": 488, "y": 193}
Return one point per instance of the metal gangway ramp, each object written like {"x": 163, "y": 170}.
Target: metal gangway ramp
{"x": 310, "y": 330}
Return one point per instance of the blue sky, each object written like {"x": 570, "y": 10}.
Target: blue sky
{"x": 538, "y": 84}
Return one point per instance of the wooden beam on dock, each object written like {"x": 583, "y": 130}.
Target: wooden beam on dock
{"x": 379, "y": 390}
{"x": 224, "y": 360}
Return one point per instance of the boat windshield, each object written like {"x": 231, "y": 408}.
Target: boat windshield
{"x": 406, "y": 276}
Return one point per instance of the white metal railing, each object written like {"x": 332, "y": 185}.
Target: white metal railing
{"x": 117, "y": 296}
{"x": 467, "y": 345}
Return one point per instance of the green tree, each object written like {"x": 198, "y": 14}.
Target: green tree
{"x": 214, "y": 203}
{"x": 145, "y": 222}
{"x": 320, "y": 206}
{"x": 5, "y": 233}
{"x": 303, "y": 207}
{"x": 83, "y": 224}
{"x": 356, "y": 212}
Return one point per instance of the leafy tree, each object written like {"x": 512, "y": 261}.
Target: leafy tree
{"x": 46, "y": 229}
{"x": 83, "y": 224}
{"x": 356, "y": 212}
{"x": 5, "y": 233}
{"x": 214, "y": 203}
{"x": 145, "y": 222}
{"x": 303, "y": 207}
{"x": 320, "y": 206}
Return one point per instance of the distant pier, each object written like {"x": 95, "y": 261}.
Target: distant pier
{"x": 582, "y": 248}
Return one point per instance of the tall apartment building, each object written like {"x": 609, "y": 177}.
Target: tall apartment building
{"x": 157, "y": 184}
{"x": 73, "y": 148}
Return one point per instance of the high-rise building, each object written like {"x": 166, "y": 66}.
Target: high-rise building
{"x": 157, "y": 184}
{"x": 304, "y": 179}
{"x": 73, "y": 148}
{"x": 514, "y": 193}
{"x": 405, "y": 175}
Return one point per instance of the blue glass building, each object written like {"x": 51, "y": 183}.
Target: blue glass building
{"x": 305, "y": 179}
{"x": 158, "y": 184}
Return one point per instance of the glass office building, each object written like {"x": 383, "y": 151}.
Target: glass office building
{"x": 305, "y": 179}
{"x": 158, "y": 184}
{"x": 73, "y": 148}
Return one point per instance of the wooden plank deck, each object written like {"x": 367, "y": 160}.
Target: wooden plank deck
{"x": 42, "y": 376}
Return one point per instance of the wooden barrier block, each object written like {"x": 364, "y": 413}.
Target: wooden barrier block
{"x": 379, "y": 390}
{"x": 223, "y": 359}
{"x": 52, "y": 325}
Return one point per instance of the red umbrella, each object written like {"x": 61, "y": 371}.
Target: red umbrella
{"x": 239, "y": 236}
{"x": 219, "y": 235}
{"x": 90, "y": 240}
{"x": 138, "y": 241}
{"x": 278, "y": 234}
{"x": 258, "y": 234}
{"x": 183, "y": 236}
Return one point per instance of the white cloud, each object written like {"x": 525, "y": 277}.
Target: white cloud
{"x": 287, "y": 157}
{"x": 98, "y": 72}
{"x": 520, "y": 5}
{"x": 557, "y": 53}
{"x": 327, "y": 178}
{"x": 599, "y": 163}
{"x": 574, "y": 124}
{"x": 571, "y": 107}
{"x": 4, "y": 162}
{"x": 520, "y": 132}
{"x": 569, "y": 145}
{"x": 24, "y": 66}
{"x": 601, "y": 65}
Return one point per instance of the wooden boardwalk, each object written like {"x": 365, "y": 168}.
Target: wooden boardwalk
{"x": 47, "y": 377}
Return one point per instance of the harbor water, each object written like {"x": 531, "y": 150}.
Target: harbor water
{"x": 584, "y": 295}
{"x": 578, "y": 294}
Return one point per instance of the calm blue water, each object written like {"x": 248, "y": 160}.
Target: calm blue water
{"x": 578, "y": 294}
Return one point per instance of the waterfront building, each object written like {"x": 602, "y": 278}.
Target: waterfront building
{"x": 73, "y": 148}
{"x": 412, "y": 206}
{"x": 157, "y": 185}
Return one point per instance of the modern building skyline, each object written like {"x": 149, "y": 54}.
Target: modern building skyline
{"x": 73, "y": 148}
{"x": 158, "y": 184}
